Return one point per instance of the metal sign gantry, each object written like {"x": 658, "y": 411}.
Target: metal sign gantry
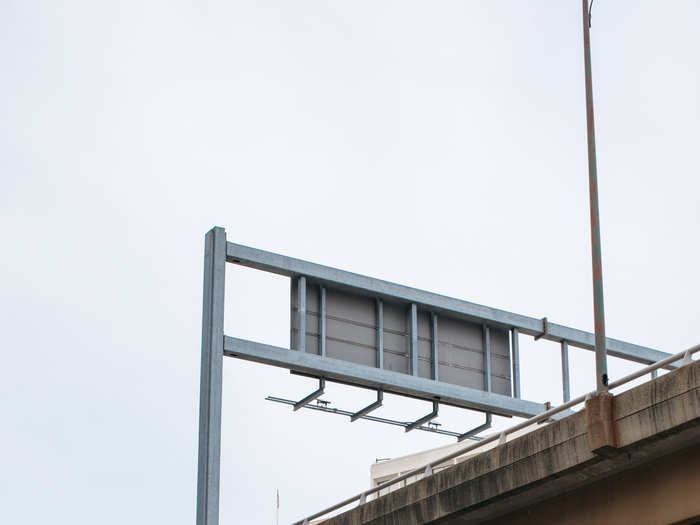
{"x": 408, "y": 382}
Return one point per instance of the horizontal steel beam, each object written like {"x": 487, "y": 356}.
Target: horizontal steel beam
{"x": 391, "y": 382}
{"x": 456, "y": 308}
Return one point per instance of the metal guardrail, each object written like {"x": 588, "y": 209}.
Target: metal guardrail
{"x": 684, "y": 357}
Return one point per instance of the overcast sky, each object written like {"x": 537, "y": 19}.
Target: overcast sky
{"x": 436, "y": 144}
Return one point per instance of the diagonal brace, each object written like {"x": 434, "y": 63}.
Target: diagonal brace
{"x": 368, "y": 408}
{"x": 469, "y": 433}
{"x": 424, "y": 419}
{"x": 313, "y": 395}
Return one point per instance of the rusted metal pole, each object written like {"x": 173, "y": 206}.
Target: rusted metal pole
{"x": 601, "y": 362}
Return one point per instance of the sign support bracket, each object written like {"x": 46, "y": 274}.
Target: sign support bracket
{"x": 312, "y": 396}
{"x": 424, "y": 419}
{"x": 369, "y": 408}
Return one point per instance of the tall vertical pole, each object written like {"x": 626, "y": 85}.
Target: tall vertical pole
{"x": 601, "y": 364}
{"x": 211, "y": 378}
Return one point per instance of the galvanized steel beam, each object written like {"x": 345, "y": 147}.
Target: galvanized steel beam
{"x": 211, "y": 378}
{"x": 375, "y": 378}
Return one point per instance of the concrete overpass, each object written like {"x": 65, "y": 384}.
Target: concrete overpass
{"x": 632, "y": 458}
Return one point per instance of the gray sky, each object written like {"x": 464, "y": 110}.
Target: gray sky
{"x": 435, "y": 144}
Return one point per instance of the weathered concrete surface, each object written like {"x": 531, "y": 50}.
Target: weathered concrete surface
{"x": 663, "y": 491}
{"x": 600, "y": 424}
{"x": 654, "y": 427}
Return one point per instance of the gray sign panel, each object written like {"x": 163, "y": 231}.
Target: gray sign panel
{"x": 352, "y": 334}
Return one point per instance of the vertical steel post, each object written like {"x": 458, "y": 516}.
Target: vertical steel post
{"x": 380, "y": 334}
{"x": 516, "y": 364}
{"x": 211, "y": 378}
{"x": 435, "y": 357}
{"x": 301, "y": 345}
{"x": 487, "y": 358}
{"x": 322, "y": 321}
{"x": 414, "y": 339}
{"x": 565, "y": 382}
{"x": 601, "y": 363}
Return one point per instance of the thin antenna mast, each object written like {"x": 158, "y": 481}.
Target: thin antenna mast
{"x": 601, "y": 364}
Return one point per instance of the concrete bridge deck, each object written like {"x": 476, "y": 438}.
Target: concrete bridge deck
{"x": 631, "y": 458}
